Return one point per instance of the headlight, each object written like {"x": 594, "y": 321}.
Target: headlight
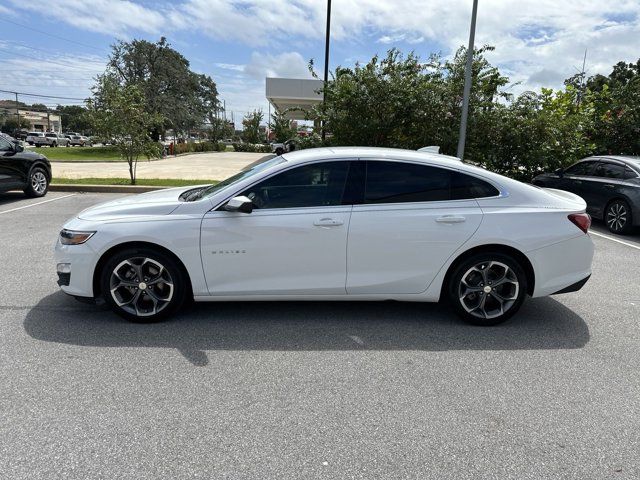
{"x": 71, "y": 237}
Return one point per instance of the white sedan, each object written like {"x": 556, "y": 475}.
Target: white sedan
{"x": 333, "y": 224}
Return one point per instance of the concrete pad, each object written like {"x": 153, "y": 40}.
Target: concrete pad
{"x": 198, "y": 166}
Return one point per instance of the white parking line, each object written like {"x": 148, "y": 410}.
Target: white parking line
{"x": 38, "y": 203}
{"x": 637, "y": 247}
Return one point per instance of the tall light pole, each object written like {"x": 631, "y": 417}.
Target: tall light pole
{"x": 467, "y": 83}
{"x": 326, "y": 62}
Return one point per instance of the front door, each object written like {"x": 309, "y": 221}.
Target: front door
{"x": 294, "y": 241}
{"x": 9, "y": 171}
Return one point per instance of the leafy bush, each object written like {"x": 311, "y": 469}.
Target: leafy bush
{"x": 193, "y": 147}
{"x": 251, "y": 147}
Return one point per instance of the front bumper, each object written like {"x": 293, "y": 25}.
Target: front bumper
{"x": 76, "y": 277}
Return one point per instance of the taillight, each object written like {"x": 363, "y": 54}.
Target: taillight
{"x": 581, "y": 220}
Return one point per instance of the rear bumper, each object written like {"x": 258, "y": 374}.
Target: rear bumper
{"x": 562, "y": 266}
{"x": 574, "y": 287}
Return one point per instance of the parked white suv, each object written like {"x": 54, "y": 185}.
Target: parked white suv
{"x": 37, "y": 138}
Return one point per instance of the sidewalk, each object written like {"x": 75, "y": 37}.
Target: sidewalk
{"x": 201, "y": 166}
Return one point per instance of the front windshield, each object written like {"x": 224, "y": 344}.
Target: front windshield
{"x": 256, "y": 167}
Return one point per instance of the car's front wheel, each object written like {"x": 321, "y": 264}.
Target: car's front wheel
{"x": 37, "y": 183}
{"x": 143, "y": 285}
{"x": 488, "y": 288}
{"x": 618, "y": 217}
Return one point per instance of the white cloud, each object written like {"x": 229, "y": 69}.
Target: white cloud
{"x": 532, "y": 35}
{"x": 230, "y": 66}
{"x": 115, "y": 17}
{"x": 288, "y": 64}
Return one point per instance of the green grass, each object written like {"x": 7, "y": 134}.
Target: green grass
{"x": 147, "y": 182}
{"x": 81, "y": 154}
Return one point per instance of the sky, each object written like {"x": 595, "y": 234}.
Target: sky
{"x": 56, "y": 47}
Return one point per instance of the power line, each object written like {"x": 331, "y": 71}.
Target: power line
{"x": 51, "y": 34}
{"x": 24, "y": 45}
{"x": 42, "y": 96}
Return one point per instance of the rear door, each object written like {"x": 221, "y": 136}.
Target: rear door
{"x": 605, "y": 185}
{"x": 412, "y": 218}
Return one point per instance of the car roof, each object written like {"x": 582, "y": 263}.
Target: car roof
{"x": 337, "y": 153}
{"x": 626, "y": 159}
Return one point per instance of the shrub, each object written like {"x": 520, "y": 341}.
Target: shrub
{"x": 250, "y": 147}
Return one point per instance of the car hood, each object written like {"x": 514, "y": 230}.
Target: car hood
{"x": 32, "y": 155}
{"x": 159, "y": 202}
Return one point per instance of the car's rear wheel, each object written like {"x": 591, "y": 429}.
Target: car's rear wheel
{"x": 37, "y": 183}
{"x": 618, "y": 217}
{"x": 488, "y": 288}
{"x": 143, "y": 285}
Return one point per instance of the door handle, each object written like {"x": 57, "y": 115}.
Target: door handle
{"x": 608, "y": 185}
{"x": 328, "y": 222}
{"x": 451, "y": 219}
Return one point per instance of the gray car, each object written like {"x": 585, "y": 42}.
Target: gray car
{"x": 609, "y": 184}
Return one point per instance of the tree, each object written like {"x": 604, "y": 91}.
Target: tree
{"x": 251, "y": 127}
{"x": 74, "y": 118}
{"x": 10, "y": 124}
{"x": 119, "y": 112}
{"x": 280, "y": 125}
{"x": 220, "y": 129}
{"x": 181, "y": 97}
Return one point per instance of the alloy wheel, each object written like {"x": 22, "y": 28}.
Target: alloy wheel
{"x": 38, "y": 182}
{"x": 617, "y": 216}
{"x": 141, "y": 286}
{"x": 488, "y": 290}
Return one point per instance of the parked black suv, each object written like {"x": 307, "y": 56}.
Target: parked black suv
{"x": 609, "y": 184}
{"x": 22, "y": 170}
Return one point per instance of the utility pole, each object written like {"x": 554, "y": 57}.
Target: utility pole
{"x": 467, "y": 83}
{"x": 17, "y": 111}
{"x": 326, "y": 62}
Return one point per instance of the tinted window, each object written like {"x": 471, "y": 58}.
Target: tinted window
{"x": 315, "y": 185}
{"x": 610, "y": 170}
{"x": 582, "y": 168}
{"x": 628, "y": 173}
{"x": 5, "y": 146}
{"x": 465, "y": 186}
{"x": 394, "y": 182}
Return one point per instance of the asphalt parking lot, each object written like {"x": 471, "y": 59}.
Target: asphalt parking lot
{"x": 312, "y": 390}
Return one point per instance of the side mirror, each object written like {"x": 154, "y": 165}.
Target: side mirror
{"x": 559, "y": 172}
{"x": 18, "y": 148}
{"x": 239, "y": 204}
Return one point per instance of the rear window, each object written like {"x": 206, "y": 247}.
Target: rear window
{"x": 397, "y": 182}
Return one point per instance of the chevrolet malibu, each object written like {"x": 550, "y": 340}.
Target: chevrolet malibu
{"x": 333, "y": 224}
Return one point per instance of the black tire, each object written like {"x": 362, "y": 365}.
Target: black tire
{"x": 485, "y": 302}
{"x": 618, "y": 218}
{"x": 37, "y": 183}
{"x": 140, "y": 303}
{"x": 54, "y": 144}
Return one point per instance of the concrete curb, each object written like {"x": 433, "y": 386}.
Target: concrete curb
{"x": 71, "y": 187}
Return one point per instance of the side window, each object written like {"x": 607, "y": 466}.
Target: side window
{"x": 582, "y": 168}
{"x": 5, "y": 145}
{"x": 610, "y": 170}
{"x": 628, "y": 174}
{"x": 315, "y": 185}
{"x": 397, "y": 182}
{"x": 465, "y": 186}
